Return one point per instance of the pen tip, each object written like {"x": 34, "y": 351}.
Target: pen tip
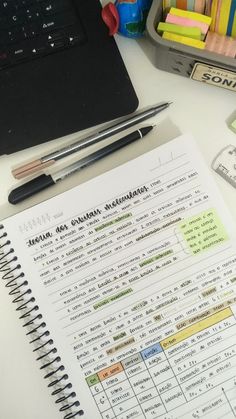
{"x": 145, "y": 130}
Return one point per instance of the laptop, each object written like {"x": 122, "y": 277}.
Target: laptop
{"x": 60, "y": 71}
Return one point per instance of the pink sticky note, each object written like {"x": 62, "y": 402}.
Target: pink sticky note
{"x": 221, "y": 44}
{"x": 199, "y": 6}
{"x": 184, "y": 21}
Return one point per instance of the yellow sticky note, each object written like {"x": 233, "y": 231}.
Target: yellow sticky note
{"x": 183, "y": 40}
{"x": 190, "y": 15}
{"x": 224, "y": 17}
{"x": 190, "y": 32}
{"x": 213, "y": 14}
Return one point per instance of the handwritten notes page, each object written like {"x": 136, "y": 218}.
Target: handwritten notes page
{"x": 135, "y": 274}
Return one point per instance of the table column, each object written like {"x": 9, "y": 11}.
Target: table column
{"x": 143, "y": 386}
{"x": 163, "y": 377}
{"x": 113, "y": 393}
{"x": 100, "y": 397}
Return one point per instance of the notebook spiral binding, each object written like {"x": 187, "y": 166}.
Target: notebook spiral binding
{"x": 37, "y": 330}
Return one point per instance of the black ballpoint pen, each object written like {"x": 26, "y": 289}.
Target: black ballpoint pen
{"x": 44, "y": 181}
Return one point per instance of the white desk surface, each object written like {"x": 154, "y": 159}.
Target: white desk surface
{"x": 197, "y": 108}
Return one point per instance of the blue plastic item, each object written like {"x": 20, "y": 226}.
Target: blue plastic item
{"x": 128, "y": 17}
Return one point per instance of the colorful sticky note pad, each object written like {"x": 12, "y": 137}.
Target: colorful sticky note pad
{"x": 191, "y": 15}
{"x": 223, "y": 13}
{"x": 221, "y": 44}
{"x": 199, "y": 6}
{"x": 190, "y": 32}
{"x": 183, "y": 40}
{"x": 183, "y": 21}
{"x": 207, "y": 10}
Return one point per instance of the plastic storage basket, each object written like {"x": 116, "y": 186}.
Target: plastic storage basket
{"x": 187, "y": 61}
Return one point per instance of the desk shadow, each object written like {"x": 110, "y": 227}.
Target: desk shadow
{"x": 167, "y": 131}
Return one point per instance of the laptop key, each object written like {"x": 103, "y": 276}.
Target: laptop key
{"x": 20, "y": 52}
{"x": 15, "y": 19}
{"x": 58, "y": 21}
{"x": 75, "y": 35}
{"x": 55, "y": 36}
{"x": 7, "y": 7}
{"x": 54, "y": 6}
{"x": 31, "y": 30}
{"x": 33, "y": 13}
{"x": 39, "y": 47}
{"x": 13, "y": 35}
{"x": 57, "y": 44}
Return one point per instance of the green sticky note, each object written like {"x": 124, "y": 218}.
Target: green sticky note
{"x": 188, "y": 31}
{"x": 203, "y": 231}
{"x": 232, "y": 126}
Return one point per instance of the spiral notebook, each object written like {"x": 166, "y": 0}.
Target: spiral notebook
{"x": 128, "y": 294}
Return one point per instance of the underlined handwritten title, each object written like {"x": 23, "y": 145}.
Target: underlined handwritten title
{"x": 87, "y": 216}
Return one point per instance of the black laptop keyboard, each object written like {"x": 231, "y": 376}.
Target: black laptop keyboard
{"x": 33, "y": 28}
